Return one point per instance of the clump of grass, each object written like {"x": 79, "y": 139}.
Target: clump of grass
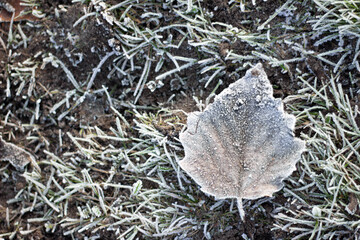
{"x": 324, "y": 196}
{"x": 339, "y": 21}
{"x": 130, "y": 184}
{"x": 144, "y": 42}
{"x": 19, "y": 78}
{"x": 339, "y": 17}
{"x": 154, "y": 43}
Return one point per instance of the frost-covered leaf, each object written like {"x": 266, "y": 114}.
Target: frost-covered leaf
{"x": 242, "y": 145}
{"x": 17, "y": 156}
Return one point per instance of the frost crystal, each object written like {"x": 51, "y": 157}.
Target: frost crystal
{"x": 242, "y": 145}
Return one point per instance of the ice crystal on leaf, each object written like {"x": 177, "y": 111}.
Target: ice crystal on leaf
{"x": 242, "y": 145}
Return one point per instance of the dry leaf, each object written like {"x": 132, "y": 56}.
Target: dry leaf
{"x": 353, "y": 204}
{"x": 10, "y": 7}
{"x": 242, "y": 145}
{"x": 17, "y": 156}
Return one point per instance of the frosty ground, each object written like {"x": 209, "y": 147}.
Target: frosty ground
{"x": 98, "y": 92}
